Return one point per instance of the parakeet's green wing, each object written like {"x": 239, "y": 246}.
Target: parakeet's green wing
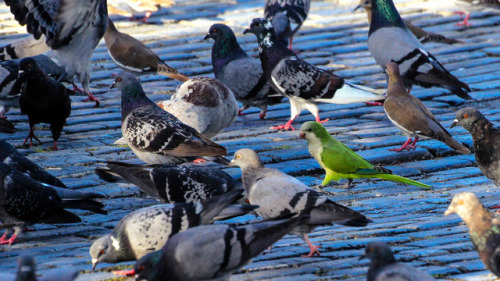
{"x": 341, "y": 159}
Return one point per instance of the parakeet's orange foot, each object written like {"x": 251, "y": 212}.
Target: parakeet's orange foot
{"x": 130, "y": 272}
{"x": 374, "y": 103}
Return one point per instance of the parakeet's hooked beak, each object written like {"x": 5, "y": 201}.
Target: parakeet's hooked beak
{"x": 455, "y": 122}
{"x": 448, "y": 211}
{"x": 94, "y": 264}
{"x": 302, "y": 135}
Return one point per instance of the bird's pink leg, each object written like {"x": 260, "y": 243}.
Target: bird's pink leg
{"x": 3, "y": 239}
{"x": 241, "y": 109}
{"x": 287, "y": 126}
{"x": 374, "y": 103}
{"x": 314, "y": 249}
{"x": 290, "y": 43}
{"x": 130, "y": 272}
{"x": 54, "y": 148}
{"x": 262, "y": 114}
{"x": 31, "y": 135}
{"x": 465, "y": 22}
{"x": 403, "y": 147}
{"x": 199, "y": 161}
{"x": 10, "y": 241}
{"x": 90, "y": 96}
{"x": 322, "y": 121}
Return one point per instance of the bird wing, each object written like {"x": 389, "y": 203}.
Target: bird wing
{"x": 341, "y": 159}
{"x": 401, "y": 272}
{"x": 295, "y": 77}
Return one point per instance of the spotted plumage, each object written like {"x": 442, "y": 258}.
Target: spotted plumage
{"x": 279, "y": 194}
{"x": 211, "y": 252}
{"x": 302, "y": 82}
{"x": 154, "y": 135}
{"x": 287, "y": 16}
{"x": 148, "y": 229}
{"x": 486, "y": 139}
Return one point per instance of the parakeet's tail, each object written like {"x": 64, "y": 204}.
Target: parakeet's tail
{"x": 400, "y": 179}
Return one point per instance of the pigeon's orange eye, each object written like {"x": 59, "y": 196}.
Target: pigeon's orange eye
{"x": 101, "y": 252}
{"x": 215, "y": 30}
{"x": 466, "y": 116}
{"x": 141, "y": 267}
{"x": 460, "y": 202}
{"x": 119, "y": 79}
{"x": 238, "y": 156}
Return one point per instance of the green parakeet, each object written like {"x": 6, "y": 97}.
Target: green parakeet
{"x": 340, "y": 162}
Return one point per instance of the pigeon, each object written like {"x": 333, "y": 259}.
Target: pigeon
{"x": 8, "y": 76}
{"x": 26, "y": 271}
{"x": 211, "y": 252}
{"x": 132, "y": 55}
{"x": 474, "y": 5}
{"x": 6, "y": 126}
{"x": 43, "y": 99}
{"x": 287, "y": 16}
{"x": 156, "y": 136}
{"x": 340, "y": 162}
{"x": 390, "y": 41}
{"x": 148, "y": 229}
{"x": 383, "y": 265}
{"x": 422, "y": 35}
{"x": 72, "y": 29}
{"x": 25, "y": 201}
{"x": 25, "y": 47}
{"x": 302, "y": 82}
{"x": 410, "y": 115}
{"x": 486, "y": 139}
{"x": 10, "y": 156}
{"x": 203, "y": 103}
{"x": 484, "y": 228}
{"x": 279, "y": 194}
{"x": 173, "y": 183}
{"x": 240, "y": 72}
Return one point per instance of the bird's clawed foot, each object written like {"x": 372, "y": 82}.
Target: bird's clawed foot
{"x": 314, "y": 251}
{"x": 92, "y": 98}
{"x": 10, "y": 241}
{"x": 465, "y": 22}
{"x": 54, "y": 147}
{"x": 285, "y": 127}
{"x": 130, "y": 272}
{"x": 322, "y": 121}
{"x": 374, "y": 103}
{"x": 30, "y": 136}
{"x": 143, "y": 20}
{"x": 406, "y": 146}
{"x": 199, "y": 161}
{"x": 262, "y": 115}
{"x": 348, "y": 184}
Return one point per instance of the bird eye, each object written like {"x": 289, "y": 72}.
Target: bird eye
{"x": 257, "y": 24}
{"x": 460, "y": 202}
{"x": 238, "y": 156}
{"x": 466, "y": 116}
{"x": 214, "y": 30}
{"x": 101, "y": 252}
{"x": 119, "y": 79}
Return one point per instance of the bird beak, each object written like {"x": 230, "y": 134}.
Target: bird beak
{"x": 113, "y": 85}
{"x": 246, "y": 31}
{"x": 231, "y": 164}
{"x": 302, "y": 135}
{"x": 455, "y": 122}
{"x": 363, "y": 256}
{"x": 448, "y": 211}
{"x": 207, "y": 36}
{"x": 94, "y": 264}
{"x": 357, "y": 7}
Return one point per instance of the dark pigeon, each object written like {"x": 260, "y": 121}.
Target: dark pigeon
{"x": 303, "y": 83}
{"x": 279, "y": 194}
{"x": 6, "y": 126}
{"x": 390, "y": 41}
{"x": 484, "y": 228}
{"x": 211, "y": 252}
{"x": 240, "y": 72}
{"x": 173, "y": 183}
{"x": 156, "y": 136}
{"x": 43, "y": 99}
{"x": 25, "y": 201}
{"x": 287, "y": 16}
{"x": 383, "y": 265}
{"x": 486, "y": 139}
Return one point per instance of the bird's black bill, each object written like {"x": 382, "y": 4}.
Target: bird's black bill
{"x": 357, "y": 8}
{"x": 454, "y": 124}
{"x": 246, "y": 31}
{"x": 207, "y": 36}
{"x": 112, "y": 85}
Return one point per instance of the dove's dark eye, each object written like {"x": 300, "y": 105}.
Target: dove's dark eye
{"x": 119, "y": 79}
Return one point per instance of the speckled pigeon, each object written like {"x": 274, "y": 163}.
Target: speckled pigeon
{"x": 240, "y": 72}
{"x": 422, "y": 35}
{"x": 10, "y": 156}
{"x": 390, "y": 41}
{"x": 148, "y": 229}
{"x": 410, "y": 115}
{"x": 383, "y": 265}
{"x": 72, "y": 28}
{"x": 25, "y": 47}
{"x": 472, "y": 6}
{"x": 203, "y": 103}
{"x": 25, "y": 201}
{"x": 211, "y": 252}
{"x": 287, "y": 17}
{"x": 156, "y": 136}
{"x": 302, "y": 82}
{"x": 43, "y": 99}
{"x": 173, "y": 183}
{"x": 484, "y": 228}
{"x": 486, "y": 139}
{"x": 279, "y": 194}
{"x": 132, "y": 55}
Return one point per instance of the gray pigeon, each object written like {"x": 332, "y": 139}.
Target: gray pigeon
{"x": 26, "y": 271}
{"x": 25, "y": 201}
{"x": 172, "y": 183}
{"x": 279, "y": 194}
{"x": 302, "y": 82}
{"x": 240, "y": 72}
{"x": 72, "y": 29}
{"x": 156, "y": 136}
{"x": 383, "y": 265}
{"x": 287, "y": 16}
{"x": 25, "y": 47}
{"x": 486, "y": 139}
{"x": 211, "y": 252}
{"x": 203, "y": 103}
{"x": 390, "y": 41}
{"x": 148, "y": 229}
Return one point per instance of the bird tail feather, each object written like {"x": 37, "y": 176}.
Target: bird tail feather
{"x": 171, "y": 72}
{"x": 350, "y": 93}
{"x": 456, "y": 145}
{"x": 400, "y": 179}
